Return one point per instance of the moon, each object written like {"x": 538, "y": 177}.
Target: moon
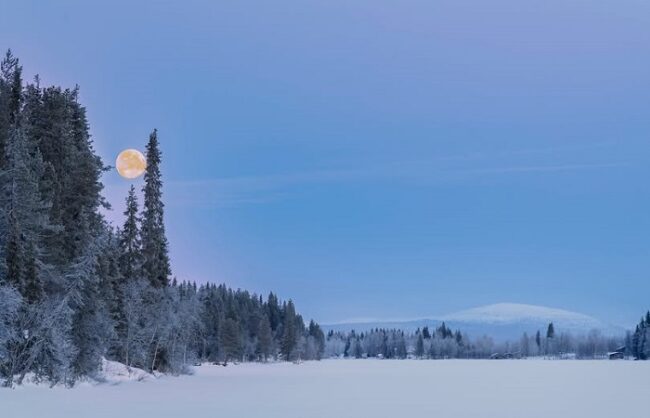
{"x": 130, "y": 163}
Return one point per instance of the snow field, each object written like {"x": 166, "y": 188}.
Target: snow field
{"x": 358, "y": 388}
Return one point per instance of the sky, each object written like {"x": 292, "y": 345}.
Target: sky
{"x": 375, "y": 158}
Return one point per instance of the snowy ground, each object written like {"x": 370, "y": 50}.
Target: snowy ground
{"x": 358, "y": 388}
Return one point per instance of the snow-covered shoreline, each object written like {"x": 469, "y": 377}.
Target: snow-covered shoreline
{"x": 111, "y": 373}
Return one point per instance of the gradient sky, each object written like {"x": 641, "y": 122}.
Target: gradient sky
{"x": 373, "y": 158}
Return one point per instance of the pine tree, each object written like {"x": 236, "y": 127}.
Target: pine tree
{"x": 155, "y": 266}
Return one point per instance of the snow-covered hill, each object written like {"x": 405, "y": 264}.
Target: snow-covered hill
{"x": 500, "y": 321}
{"x": 508, "y": 313}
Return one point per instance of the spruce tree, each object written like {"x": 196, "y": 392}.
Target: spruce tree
{"x": 10, "y": 100}
{"x": 14, "y": 254}
{"x": 550, "y": 331}
{"x": 289, "y": 338}
{"x": 230, "y": 340}
{"x": 358, "y": 349}
{"x": 550, "y": 339}
{"x": 525, "y": 348}
{"x": 33, "y": 285}
{"x": 425, "y": 333}
{"x": 56, "y": 126}
{"x": 92, "y": 326}
{"x": 643, "y": 342}
{"x": 26, "y": 217}
{"x": 264, "y": 338}
{"x": 419, "y": 347}
{"x": 155, "y": 265}
{"x": 110, "y": 286}
{"x": 636, "y": 338}
{"x": 130, "y": 245}
{"x": 316, "y": 333}
{"x": 273, "y": 311}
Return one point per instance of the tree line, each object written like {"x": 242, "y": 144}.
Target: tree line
{"x": 74, "y": 289}
{"x": 444, "y": 343}
{"x": 639, "y": 341}
{"x": 439, "y": 343}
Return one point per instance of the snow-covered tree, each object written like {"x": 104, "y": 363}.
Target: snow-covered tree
{"x": 74, "y": 290}
{"x": 525, "y": 345}
{"x": 289, "y": 337}
{"x": 419, "y": 346}
{"x": 230, "y": 340}
{"x": 264, "y": 338}
{"x": 155, "y": 259}
{"x": 130, "y": 245}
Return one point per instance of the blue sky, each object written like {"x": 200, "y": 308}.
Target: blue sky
{"x": 377, "y": 158}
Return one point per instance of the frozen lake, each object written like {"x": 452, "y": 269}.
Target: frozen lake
{"x": 359, "y": 388}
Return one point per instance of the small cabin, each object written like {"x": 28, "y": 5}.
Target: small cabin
{"x": 616, "y": 355}
{"x": 503, "y": 356}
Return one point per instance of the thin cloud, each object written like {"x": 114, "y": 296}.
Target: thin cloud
{"x": 233, "y": 192}
{"x": 237, "y": 191}
{"x": 545, "y": 168}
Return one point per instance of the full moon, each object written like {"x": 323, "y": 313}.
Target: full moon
{"x": 130, "y": 163}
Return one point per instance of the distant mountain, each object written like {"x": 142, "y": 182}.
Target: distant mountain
{"x": 501, "y": 321}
